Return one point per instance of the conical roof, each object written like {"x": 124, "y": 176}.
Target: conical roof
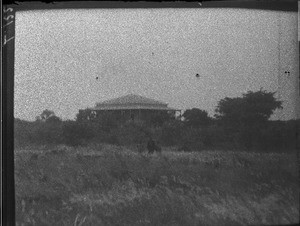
{"x": 132, "y": 101}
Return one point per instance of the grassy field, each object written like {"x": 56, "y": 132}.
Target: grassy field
{"x": 111, "y": 185}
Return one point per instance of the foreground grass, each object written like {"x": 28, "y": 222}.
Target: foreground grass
{"x": 109, "y": 185}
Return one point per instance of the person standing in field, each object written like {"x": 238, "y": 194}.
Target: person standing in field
{"x": 152, "y": 146}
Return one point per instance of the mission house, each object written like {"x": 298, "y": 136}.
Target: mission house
{"x": 133, "y": 108}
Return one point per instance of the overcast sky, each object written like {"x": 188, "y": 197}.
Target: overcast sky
{"x": 155, "y": 53}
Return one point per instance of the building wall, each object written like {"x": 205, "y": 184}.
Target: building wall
{"x": 135, "y": 115}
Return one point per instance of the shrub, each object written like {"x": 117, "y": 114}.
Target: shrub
{"x": 196, "y": 117}
{"x": 251, "y": 108}
{"x": 192, "y": 139}
{"x": 277, "y": 135}
{"x": 42, "y": 133}
{"x": 171, "y": 133}
{"x": 22, "y": 132}
{"x": 75, "y": 133}
{"x": 132, "y": 133}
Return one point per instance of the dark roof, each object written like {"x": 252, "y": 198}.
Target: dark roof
{"x": 132, "y": 101}
{"x": 133, "y": 107}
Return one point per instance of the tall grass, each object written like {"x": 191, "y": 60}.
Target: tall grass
{"x": 113, "y": 185}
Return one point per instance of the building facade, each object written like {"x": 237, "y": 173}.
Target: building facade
{"x": 133, "y": 108}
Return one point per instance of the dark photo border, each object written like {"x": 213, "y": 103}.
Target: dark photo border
{"x": 8, "y": 48}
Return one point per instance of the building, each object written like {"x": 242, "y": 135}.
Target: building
{"x": 133, "y": 107}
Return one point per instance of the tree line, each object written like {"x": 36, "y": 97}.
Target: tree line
{"x": 239, "y": 123}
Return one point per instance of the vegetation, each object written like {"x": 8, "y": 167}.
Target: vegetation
{"x": 113, "y": 185}
{"x": 241, "y": 124}
{"x": 196, "y": 117}
{"x": 236, "y": 169}
{"x": 48, "y": 116}
{"x": 251, "y": 108}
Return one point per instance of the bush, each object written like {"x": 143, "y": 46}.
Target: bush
{"x": 171, "y": 133}
{"x": 272, "y": 136}
{"x": 196, "y": 118}
{"x": 251, "y": 108}
{"x": 192, "y": 139}
{"x": 37, "y": 133}
{"x": 277, "y": 136}
{"x": 47, "y": 133}
{"x": 267, "y": 136}
{"x": 75, "y": 133}
{"x": 132, "y": 133}
{"x": 22, "y": 132}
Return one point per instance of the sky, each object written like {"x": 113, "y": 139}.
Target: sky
{"x": 155, "y": 53}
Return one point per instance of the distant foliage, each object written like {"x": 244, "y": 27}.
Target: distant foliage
{"x": 48, "y": 116}
{"x": 276, "y": 135}
{"x": 131, "y": 133}
{"x": 241, "y": 124}
{"x": 75, "y": 133}
{"x": 22, "y": 132}
{"x": 172, "y": 132}
{"x": 47, "y": 129}
{"x": 192, "y": 139}
{"x": 45, "y": 115}
{"x": 26, "y": 133}
{"x": 47, "y": 133}
{"x": 251, "y": 108}
{"x": 53, "y": 120}
{"x": 196, "y": 118}
{"x": 245, "y": 119}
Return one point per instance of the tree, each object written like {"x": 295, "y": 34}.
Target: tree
{"x": 53, "y": 119}
{"x": 47, "y": 129}
{"x": 250, "y": 109}
{"x": 48, "y": 116}
{"x": 196, "y": 117}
